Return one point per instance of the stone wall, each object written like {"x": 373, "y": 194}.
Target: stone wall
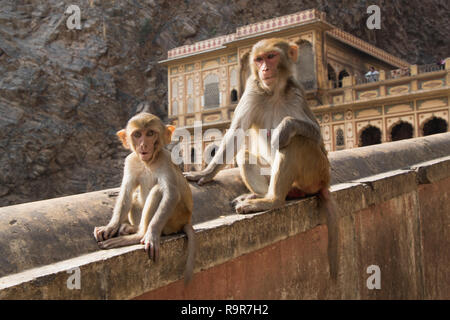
{"x": 393, "y": 213}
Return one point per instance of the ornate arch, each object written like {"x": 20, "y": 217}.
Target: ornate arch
{"x": 211, "y": 90}
{"x": 366, "y": 127}
{"x": 332, "y": 75}
{"x": 244, "y": 70}
{"x": 306, "y": 67}
{"x": 209, "y": 150}
{"x": 396, "y": 123}
{"x": 433, "y": 117}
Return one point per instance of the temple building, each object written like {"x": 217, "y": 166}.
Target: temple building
{"x": 399, "y": 101}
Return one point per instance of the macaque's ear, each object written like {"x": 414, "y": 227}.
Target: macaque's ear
{"x": 170, "y": 130}
{"x": 293, "y": 52}
{"x": 122, "y": 134}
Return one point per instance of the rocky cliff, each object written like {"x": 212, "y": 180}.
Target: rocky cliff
{"x": 64, "y": 93}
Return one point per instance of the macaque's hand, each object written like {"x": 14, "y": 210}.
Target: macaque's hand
{"x": 105, "y": 232}
{"x": 281, "y": 136}
{"x": 201, "y": 177}
{"x": 290, "y": 127}
{"x": 151, "y": 242}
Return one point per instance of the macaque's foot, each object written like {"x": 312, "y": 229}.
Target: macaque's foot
{"x": 256, "y": 205}
{"x": 192, "y": 175}
{"x": 151, "y": 242}
{"x": 108, "y": 244}
{"x": 126, "y": 228}
{"x": 243, "y": 197}
{"x": 105, "y": 232}
{"x": 120, "y": 241}
{"x": 200, "y": 177}
{"x": 246, "y": 206}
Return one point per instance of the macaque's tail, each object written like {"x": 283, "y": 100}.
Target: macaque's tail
{"x": 328, "y": 205}
{"x": 191, "y": 253}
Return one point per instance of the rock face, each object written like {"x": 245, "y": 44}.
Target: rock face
{"x": 64, "y": 93}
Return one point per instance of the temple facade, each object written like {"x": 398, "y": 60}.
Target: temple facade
{"x": 354, "y": 109}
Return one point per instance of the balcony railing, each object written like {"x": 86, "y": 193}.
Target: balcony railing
{"x": 358, "y": 88}
{"x": 364, "y": 80}
{"x": 430, "y": 67}
{"x": 398, "y": 73}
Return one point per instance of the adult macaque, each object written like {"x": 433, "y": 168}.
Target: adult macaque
{"x": 162, "y": 203}
{"x": 274, "y": 100}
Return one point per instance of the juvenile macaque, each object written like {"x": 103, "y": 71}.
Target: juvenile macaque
{"x": 274, "y": 100}
{"x": 162, "y": 203}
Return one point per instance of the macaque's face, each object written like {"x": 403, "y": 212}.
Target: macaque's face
{"x": 144, "y": 142}
{"x": 267, "y": 64}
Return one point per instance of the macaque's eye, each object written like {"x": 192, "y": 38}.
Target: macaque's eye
{"x": 137, "y": 134}
{"x": 258, "y": 59}
{"x": 271, "y": 55}
{"x": 150, "y": 133}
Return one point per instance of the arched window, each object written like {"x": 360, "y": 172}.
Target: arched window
{"x": 340, "y": 141}
{"x": 369, "y": 136}
{"x": 234, "y": 96}
{"x": 306, "y": 72}
{"x": 190, "y": 105}
{"x": 174, "y": 97}
{"x": 211, "y": 91}
{"x": 190, "y": 86}
{"x": 213, "y": 151}
{"x": 435, "y": 125}
{"x": 233, "y": 78}
{"x": 189, "y": 95}
{"x": 174, "y": 107}
{"x": 210, "y": 152}
{"x": 192, "y": 155}
{"x": 332, "y": 76}
{"x": 244, "y": 71}
{"x": 174, "y": 89}
{"x": 342, "y": 74}
{"x": 402, "y": 130}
